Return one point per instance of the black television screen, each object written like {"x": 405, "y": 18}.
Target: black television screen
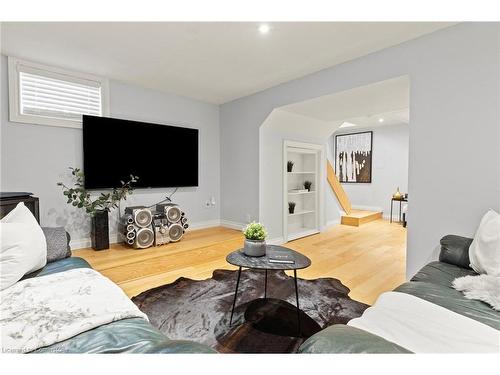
{"x": 160, "y": 155}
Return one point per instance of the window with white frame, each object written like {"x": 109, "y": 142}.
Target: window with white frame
{"x": 44, "y": 95}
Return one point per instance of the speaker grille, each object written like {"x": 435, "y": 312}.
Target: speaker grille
{"x": 143, "y": 217}
{"x": 173, "y": 214}
{"x": 144, "y": 238}
{"x": 175, "y": 232}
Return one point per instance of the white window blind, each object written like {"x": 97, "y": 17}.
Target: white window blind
{"x": 54, "y": 97}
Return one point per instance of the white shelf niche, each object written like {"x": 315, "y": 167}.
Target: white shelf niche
{"x": 307, "y": 160}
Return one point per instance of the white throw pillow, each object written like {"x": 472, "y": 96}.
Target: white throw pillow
{"x": 23, "y": 246}
{"x": 484, "y": 251}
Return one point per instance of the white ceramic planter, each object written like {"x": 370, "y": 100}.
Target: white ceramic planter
{"x": 255, "y": 248}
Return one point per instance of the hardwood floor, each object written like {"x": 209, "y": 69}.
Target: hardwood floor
{"x": 369, "y": 259}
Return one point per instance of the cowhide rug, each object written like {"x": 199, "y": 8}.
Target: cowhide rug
{"x": 200, "y": 310}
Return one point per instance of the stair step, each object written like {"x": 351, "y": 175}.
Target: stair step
{"x": 360, "y": 217}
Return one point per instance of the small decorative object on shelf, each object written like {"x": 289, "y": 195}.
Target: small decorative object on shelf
{"x": 307, "y": 185}
{"x": 97, "y": 207}
{"x": 289, "y": 166}
{"x": 291, "y": 207}
{"x": 397, "y": 194}
{"x": 255, "y": 240}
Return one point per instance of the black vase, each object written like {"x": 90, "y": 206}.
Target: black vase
{"x": 99, "y": 231}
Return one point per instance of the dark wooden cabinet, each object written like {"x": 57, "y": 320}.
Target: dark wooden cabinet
{"x": 9, "y": 200}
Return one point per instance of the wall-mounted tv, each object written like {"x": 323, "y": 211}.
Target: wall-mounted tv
{"x": 161, "y": 155}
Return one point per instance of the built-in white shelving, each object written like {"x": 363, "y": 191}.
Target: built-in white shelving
{"x": 296, "y": 213}
{"x": 304, "y": 221}
{"x": 301, "y": 193}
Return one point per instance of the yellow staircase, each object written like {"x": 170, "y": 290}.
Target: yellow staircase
{"x": 352, "y": 217}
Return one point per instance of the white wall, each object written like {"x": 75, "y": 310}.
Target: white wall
{"x": 454, "y": 131}
{"x": 389, "y": 169}
{"x": 35, "y": 157}
{"x": 278, "y": 127}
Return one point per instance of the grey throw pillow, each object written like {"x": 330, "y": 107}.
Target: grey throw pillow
{"x": 57, "y": 243}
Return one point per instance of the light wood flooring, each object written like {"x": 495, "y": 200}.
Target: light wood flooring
{"x": 369, "y": 259}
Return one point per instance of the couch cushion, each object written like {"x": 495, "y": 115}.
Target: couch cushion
{"x": 441, "y": 273}
{"x": 124, "y": 336}
{"x": 455, "y": 250}
{"x": 23, "y": 247}
{"x": 484, "y": 251}
{"x": 453, "y": 300}
{"x": 60, "y": 266}
{"x": 345, "y": 339}
{"x": 57, "y": 243}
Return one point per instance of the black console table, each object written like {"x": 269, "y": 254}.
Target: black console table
{"x": 305, "y": 326}
{"x": 9, "y": 200}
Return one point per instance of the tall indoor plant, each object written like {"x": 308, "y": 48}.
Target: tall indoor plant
{"x": 96, "y": 206}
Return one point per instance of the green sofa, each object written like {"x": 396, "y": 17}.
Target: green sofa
{"x": 431, "y": 283}
{"x": 133, "y": 335}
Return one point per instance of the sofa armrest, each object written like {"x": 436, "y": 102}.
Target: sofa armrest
{"x": 340, "y": 338}
{"x": 57, "y": 243}
{"x": 455, "y": 250}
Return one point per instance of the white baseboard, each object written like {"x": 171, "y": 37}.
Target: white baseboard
{"x": 232, "y": 224}
{"x": 367, "y": 208}
{"x": 331, "y": 223}
{"x": 205, "y": 224}
{"x": 275, "y": 241}
{"x": 83, "y": 243}
{"x": 114, "y": 238}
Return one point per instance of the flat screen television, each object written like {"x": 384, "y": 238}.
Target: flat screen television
{"x": 160, "y": 155}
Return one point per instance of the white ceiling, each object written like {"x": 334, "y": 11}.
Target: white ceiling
{"x": 398, "y": 117}
{"x": 362, "y": 106}
{"x": 211, "y": 62}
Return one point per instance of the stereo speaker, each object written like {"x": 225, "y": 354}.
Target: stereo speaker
{"x": 141, "y": 228}
{"x": 175, "y": 232}
{"x": 172, "y": 212}
{"x": 161, "y": 232}
{"x": 144, "y": 238}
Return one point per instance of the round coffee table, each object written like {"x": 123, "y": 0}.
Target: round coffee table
{"x": 239, "y": 259}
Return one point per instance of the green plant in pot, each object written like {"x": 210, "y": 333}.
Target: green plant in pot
{"x": 307, "y": 185}
{"x": 255, "y": 240}
{"x": 289, "y": 166}
{"x": 291, "y": 207}
{"x": 96, "y": 206}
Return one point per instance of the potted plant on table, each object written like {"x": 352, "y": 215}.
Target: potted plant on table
{"x": 255, "y": 240}
{"x": 98, "y": 206}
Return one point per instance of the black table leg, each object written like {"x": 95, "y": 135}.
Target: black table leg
{"x": 235, "y": 295}
{"x": 400, "y": 202}
{"x": 391, "y": 210}
{"x": 297, "y": 298}
{"x": 265, "y": 286}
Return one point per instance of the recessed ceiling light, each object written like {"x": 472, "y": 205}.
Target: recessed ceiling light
{"x": 380, "y": 119}
{"x": 264, "y": 29}
{"x": 347, "y": 125}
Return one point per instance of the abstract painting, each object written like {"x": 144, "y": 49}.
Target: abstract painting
{"x": 353, "y": 157}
